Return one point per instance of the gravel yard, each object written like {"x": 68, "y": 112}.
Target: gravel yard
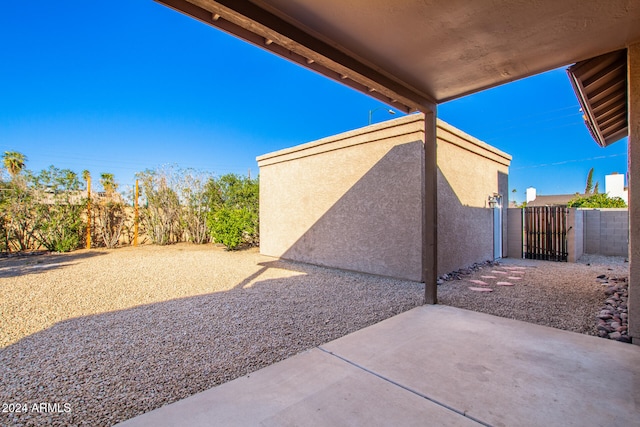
{"x": 105, "y": 335}
{"x": 116, "y": 333}
{"x": 558, "y": 294}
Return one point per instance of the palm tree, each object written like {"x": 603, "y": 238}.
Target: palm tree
{"x": 589, "y": 187}
{"x": 86, "y": 175}
{"x": 108, "y": 183}
{"x": 14, "y": 162}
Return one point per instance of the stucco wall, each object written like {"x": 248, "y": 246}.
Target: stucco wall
{"x": 354, "y": 200}
{"x": 514, "y": 233}
{"x": 351, "y": 201}
{"x": 469, "y": 172}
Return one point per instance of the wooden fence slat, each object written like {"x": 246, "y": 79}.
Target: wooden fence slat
{"x": 545, "y": 231}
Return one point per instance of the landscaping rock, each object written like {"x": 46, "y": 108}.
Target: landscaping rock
{"x": 480, "y": 289}
{"x": 606, "y": 327}
{"x": 613, "y": 317}
{"x": 615, "y": 335}
{"x": 561, "y": 295}
{"x": 504, "y": 284}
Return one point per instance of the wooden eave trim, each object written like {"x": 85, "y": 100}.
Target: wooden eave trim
{"x": 600, "y": 86}
{"x": 264, "y": 29}
{"x": 589, "y": 118}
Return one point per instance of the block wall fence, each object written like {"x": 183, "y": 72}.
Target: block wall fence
{"x": 603, "y": 231}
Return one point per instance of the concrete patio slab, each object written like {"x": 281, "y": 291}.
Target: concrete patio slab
{"x": 500, "y": 371}
{"x": 312, "y": 388}
{"x": 433, "y": 365}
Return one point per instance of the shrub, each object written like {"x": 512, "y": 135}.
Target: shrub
{"x": 58, "y": 210}
{"x": 110, "y": 212}
{"x": 111, "y": 217}
{"x": 61, "y": 227}
{"x": 161, "y": 216}
{"x": 234, "y": 213}
{"x": 198, "y": 195}
{"x": 18, "y": 215}
{"x": 598, "y": 200}
{"x": 232, "y": 227}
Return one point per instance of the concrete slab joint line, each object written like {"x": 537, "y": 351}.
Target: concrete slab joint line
{"x": 410, "y": 390}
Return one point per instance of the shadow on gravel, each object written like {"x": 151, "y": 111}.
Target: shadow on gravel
{"x": 113, "y": 366}
{"x": 291, "y": 266}
{"x": 20, "y": 265}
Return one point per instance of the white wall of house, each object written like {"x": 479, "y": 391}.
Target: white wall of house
{"x": 614, "y": 186}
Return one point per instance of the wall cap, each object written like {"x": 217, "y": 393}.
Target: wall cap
{"x": 407, "y": 125}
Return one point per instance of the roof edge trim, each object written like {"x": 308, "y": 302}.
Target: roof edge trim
{"x": 267, "y": 31}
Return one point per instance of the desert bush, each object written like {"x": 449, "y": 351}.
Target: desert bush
{"x": 197, "y": 197}
{"x": 18, "y": 214}
{"x": 110, "y": 212}
{"x": 232, "y": 227}
{"x": 40, "y": 210}
{"x": 61, "y": 227}
{"x": 58, "y": 209}
{"x": 234, "y": 214}
{"x": 110, "y": 220}
{"x": 161, "y": 214}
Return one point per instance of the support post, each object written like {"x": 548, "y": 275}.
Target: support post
{"x": 633, "y": 94}
{"x": 430, "y": 210}
{"x": 88, "y": 212}
{"x": 135, "y": 216}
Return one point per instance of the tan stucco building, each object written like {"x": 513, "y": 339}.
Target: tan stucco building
{"x": 355, "y": 200}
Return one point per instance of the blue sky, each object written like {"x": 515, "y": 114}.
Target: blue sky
{"x": 123, "y": 86}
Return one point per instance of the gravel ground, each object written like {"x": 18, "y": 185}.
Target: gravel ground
{"x": 104, "y": 335}
{"x": 562, "y": 295}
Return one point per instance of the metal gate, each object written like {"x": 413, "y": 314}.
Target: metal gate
{"x": 545, "y": 233}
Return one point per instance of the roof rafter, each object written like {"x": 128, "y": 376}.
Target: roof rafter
{"x": 600, "y": 85}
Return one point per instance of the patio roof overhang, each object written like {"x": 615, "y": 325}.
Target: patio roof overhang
{"x": 415, "y": 54}
{"x": 600, "y": 84}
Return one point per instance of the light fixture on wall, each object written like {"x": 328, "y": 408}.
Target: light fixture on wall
{"x": 389, "y": 110}
{"x": 495, "y": 200}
